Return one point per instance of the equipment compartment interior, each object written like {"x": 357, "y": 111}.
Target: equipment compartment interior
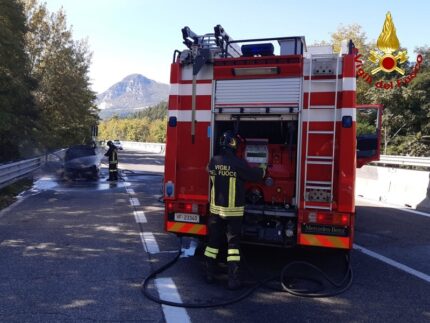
{"x": 270, "y": 213}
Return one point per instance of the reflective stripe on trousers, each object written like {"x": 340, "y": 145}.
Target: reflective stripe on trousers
{"x": 211, "y": 252}
{"x": 233, "y": 255}
{"x": 227, "y": 211}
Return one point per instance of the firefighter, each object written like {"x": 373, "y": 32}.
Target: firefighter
{"x": 112, "y": 154}
{"x": 228, "y": 174}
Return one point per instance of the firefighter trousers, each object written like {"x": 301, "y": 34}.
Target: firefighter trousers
{"x": 220, "y": 228}
{"x": 113, "y": 171}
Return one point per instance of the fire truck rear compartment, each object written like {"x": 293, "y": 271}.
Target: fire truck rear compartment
{"x": 270, "y": 214}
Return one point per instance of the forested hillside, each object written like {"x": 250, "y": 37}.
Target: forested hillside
{"x": 406, "y": 117}
{"x": 148, "y": 125}
{"x": 46, "y": 101}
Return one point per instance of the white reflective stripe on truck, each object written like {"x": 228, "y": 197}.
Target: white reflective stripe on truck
{"x": 185, "y": 115}
{"x": 328, "y": 85}
{"x": 326, "y": 115}
{"x": 187, "y": 89}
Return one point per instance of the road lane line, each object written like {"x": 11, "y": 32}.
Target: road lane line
{"x": 417, "y": 212}
{"x": 165, "y": 286}
{"x": 149, "y": 242}
{"x": 167, "y": 290}
{"x": 134, "y": 201}
{"x": 392, "y": 206}
{"x": 130, "y": 191}
{"x": 393, "y": 263}
{"x": 140, "y": 216}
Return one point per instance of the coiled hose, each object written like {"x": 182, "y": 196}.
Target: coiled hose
{"x": 287, "y": 283}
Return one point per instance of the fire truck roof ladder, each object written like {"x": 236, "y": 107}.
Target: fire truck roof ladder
{"x": 223, "y": 39}
{"x": 217, "y": 41}
{"x": 200, "y": 47}
{"x": 192, "y": 39}
{"x": 314, "y": 190}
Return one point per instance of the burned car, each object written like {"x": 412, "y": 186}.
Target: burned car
{"x": 82, "y": 161}
{"x": 117, "y": 144}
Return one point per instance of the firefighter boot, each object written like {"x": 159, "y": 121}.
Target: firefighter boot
{"x": 233, "y": 276}
{"x": 210, "y": 270}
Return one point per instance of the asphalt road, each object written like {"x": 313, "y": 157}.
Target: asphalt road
{"x": 77, "y": 252}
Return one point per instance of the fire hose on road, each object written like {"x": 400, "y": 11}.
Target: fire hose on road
{"x": 289, "y": 284}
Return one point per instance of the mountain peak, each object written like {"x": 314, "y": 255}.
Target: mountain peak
{"x": 136, "y": 78}
{"x": 134, "y": 92}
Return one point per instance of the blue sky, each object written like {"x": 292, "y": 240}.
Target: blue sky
{"x": 139, "y": 36}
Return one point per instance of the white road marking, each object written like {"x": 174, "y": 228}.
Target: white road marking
{"x": 149, "y": 242}
{"x": 167, "y": 290}
{"x": 190, "y": 251}
{"x": 130, "y": 191}
{"x": 140, "y": 216}
{"x": 393, "y": 263}
{"x": 393, "y": 206}
{"x": 134, "y": 201}
{"x": 165, "y": 286}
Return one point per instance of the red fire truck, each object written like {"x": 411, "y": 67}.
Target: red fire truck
{"x": 295, "y": 108}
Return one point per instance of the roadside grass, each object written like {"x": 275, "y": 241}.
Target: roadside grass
{"x": 8, "y": 194}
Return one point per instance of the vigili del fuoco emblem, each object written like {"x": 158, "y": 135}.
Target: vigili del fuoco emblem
{"x": 388, "y": 44}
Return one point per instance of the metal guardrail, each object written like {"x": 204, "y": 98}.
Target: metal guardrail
{"x": 152, "y": 147}
{"x": 12, "y": 172}
{"x": 404, "y": 161}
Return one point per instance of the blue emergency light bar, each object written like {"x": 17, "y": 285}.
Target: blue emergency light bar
{"x": 264, "y": 49}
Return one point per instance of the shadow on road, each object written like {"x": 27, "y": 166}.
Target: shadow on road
{"x": 73, "y": 253}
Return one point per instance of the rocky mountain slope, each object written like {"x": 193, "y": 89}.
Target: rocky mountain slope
{"x": 132, "y": 94}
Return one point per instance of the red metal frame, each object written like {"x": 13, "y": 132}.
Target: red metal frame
{"x": 379, "y": 107}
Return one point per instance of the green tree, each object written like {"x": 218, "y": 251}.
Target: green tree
{"x": 406, "y": 109}
{"x": 61, "y": 66}
{"x": 149, "y": 125}
{"x": 420, "y": 106}
{"x": 355, "y": 33}
{"x": 156, "y": 112}
{"x": 158, "y": 130}
{"x": 18, "y": 113}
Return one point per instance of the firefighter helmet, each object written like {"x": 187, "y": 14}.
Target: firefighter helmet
{"x": 228, "y": 140}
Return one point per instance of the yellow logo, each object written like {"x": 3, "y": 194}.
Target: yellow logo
{"x": 388, "y": 44}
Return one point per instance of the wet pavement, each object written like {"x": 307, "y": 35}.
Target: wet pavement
{"x": 52, "y": 182}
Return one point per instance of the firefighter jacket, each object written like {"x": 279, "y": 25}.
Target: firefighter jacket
{"x": 228, "y": 174}
{"x": 112, "y": 154}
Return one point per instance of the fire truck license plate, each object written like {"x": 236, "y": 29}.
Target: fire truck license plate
{"x": 186, "y": 217}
